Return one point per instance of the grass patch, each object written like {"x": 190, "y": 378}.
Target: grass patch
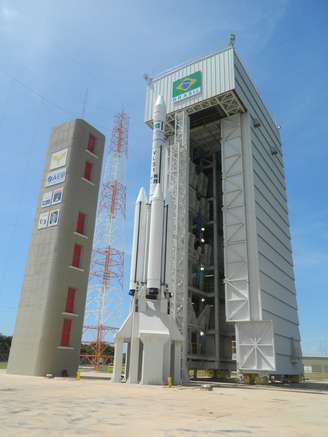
{"x": 3, "y": 365}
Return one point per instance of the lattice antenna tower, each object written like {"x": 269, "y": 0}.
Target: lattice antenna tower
{"x": 106, "y": 280}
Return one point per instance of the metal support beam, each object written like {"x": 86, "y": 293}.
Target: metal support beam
{"x": 179, "y": 185}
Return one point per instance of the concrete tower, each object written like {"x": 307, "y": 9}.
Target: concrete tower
{"x": 212, "y": 279}
{"x": 49, "y": 323}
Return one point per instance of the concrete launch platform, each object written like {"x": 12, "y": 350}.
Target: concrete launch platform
{"x": 31, "y": 406}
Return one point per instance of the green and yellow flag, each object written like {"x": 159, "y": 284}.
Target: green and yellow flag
{"x": 187, "y": 86}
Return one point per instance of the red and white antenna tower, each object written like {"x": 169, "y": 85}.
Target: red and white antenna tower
{"x": 106, "y": 279}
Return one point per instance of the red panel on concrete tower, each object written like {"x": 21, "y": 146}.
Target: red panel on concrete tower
{"x": 91, "y": 143}
{"x": 80, "y": 223}
{"x": 77, "y": 255}
{"x": 88, "y": 170}
{"x": 67, "y": 325}
{"x": 70, "y": 300}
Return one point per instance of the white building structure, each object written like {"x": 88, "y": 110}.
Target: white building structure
{"x": 212, "y": 278}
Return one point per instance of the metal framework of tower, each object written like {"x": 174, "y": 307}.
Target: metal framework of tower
{"x": 106, "y": 280}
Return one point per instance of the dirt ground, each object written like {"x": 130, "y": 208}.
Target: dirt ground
{"x": 32, "y": 406}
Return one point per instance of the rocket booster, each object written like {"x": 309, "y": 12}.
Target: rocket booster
{"x": 157, "y": 162}
{"x": 139, "y": 242}
{"x": 155, "y": 244}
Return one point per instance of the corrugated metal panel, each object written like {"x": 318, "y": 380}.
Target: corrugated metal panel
{"x": 282, "y": 326}
{"x": 268, "y": 216}
{"x": 217, "y": 78}
{"x": 279, "y": 308}
{"x": 283, "y": 345}
{"x": 265, "y": 173}
{"x": 267, "y": 235}
{"x": 273, "y": 271}
{"x": 264, "y": 157}
{"x": 277, "y": 292}
{"x": 283, "y": 362}
{"x": 269, "y": 196}
{"x": 268, "y": 206}
{"x": 269, "y": 247}
{"x": 247, "y": 91}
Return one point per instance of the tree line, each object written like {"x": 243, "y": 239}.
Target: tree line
{"x": 5, "y": 343}
{"x": 86, "y": 349}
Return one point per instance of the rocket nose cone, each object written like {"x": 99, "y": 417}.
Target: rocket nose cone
{"x": 159, "y": 110}
{"x": 159, "y": 101}
{"x": 160, "y": 104}
{"x": 158, "y": 195}
{"x": 142, "y": 196}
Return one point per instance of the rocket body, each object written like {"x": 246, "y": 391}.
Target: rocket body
{"x": 158, "y": 146}
{"x": 155, "y": 249}
{"x": 157, "y": 184}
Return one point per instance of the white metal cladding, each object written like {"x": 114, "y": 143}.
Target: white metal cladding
{"x": 217, "y": 78}
{"x": 255, "y": 346}
{"x": 234, "y": 221}
{"x": 278, "y": 295}
{"x": 250, "y": 97}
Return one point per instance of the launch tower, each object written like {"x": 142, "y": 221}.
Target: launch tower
{"x": 212, "y": 278}
{"x": 106, "y": 279}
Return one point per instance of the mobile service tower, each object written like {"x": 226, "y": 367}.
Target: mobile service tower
{"x": 212, "y": 280}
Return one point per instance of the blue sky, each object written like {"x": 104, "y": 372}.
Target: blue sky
{"x": 52, "y": 51}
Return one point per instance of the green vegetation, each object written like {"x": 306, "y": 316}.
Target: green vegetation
{"x": 5, "y": 343}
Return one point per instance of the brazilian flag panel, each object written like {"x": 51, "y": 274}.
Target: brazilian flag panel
{"x": 187, "y": 86}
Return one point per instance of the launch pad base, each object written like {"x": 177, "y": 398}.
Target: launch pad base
{"x": 153, "y": 347}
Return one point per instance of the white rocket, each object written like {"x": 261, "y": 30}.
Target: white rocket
{"x": 149, "y": 322}
{"x": 147, "y": 246}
